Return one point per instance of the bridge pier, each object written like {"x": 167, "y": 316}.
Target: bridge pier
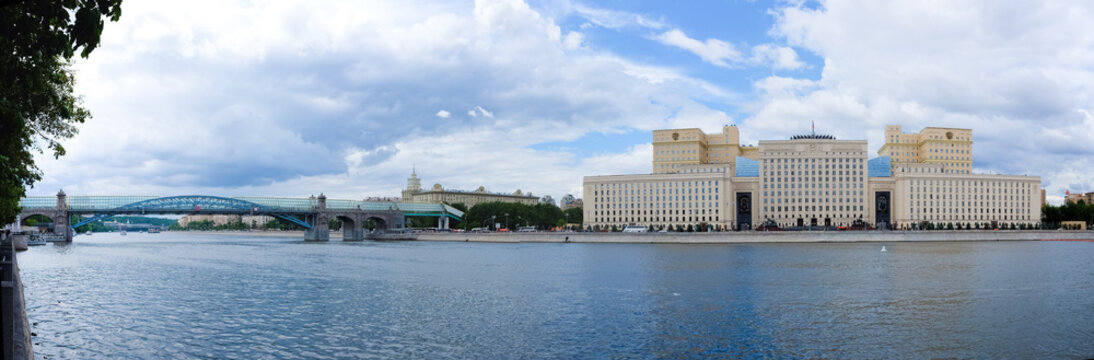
{"x": 357, "y": 233}
{"x": 320, "y": 228}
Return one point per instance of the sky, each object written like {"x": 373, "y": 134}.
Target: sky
{"x": 346, "y": 98}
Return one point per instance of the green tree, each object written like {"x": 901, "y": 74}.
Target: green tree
{"x": 574, "y": 215}
{"x": 38, "y": 39}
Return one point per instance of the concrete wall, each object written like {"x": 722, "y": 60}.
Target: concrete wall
{"x": 760, "y": 237}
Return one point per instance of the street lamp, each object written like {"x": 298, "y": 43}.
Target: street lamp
{"x": 506, "y": 220}
{"x": 494, "y": 220}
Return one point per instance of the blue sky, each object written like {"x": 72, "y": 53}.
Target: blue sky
{"x": 293, "y": 98}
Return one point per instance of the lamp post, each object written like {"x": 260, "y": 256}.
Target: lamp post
{"x": 506, "y": 220}
{"x": 494, "y": 220}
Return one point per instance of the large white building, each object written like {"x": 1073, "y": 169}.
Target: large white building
{"x": 810, "y": 180}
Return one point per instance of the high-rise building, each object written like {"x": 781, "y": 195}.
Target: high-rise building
{"x": 933, "y": 145}
{"x": 811, "y": 180}
{"x": 438, "y": 194}
{"x": 683, "y": 150}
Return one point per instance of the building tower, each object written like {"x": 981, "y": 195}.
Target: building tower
{"x": 413, "y": 185}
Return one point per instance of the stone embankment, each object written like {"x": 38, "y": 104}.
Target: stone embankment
{"x": 15, "y": 329}
{"x": 752, "y": 237}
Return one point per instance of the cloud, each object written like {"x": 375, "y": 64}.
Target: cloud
{"x": 725, "y": 54}
{"x": 297, "y": 98}
{"x": 478, "y": 110}
{"x": 615, "y": 19}
{"x": 1017, "y": 74}
{"x": 713, "y": 51}
{"x": 780, "y": 57}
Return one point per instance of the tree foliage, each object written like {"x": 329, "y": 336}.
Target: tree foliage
{"x": 38, "y": 109}
{"x": 543, "y": 216}
{"x": 1077, "y": 211}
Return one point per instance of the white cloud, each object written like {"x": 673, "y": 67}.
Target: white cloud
{"x": 297, "y": 98}
{"x": 614, "y": 19}
{"x": 780, "y": 57}
{"x": 713, "y": 51}
{"x": 724, "y": 54}
{"x": 478, "y": 110}
{"x": 1017, "y": 73}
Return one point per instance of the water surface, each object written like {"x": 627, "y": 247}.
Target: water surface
{"x": 178, "y": 295}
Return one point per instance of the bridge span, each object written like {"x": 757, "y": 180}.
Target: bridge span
{"x": 312, "y": 213}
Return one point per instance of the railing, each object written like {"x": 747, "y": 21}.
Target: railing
{"x": 93, "y": 203}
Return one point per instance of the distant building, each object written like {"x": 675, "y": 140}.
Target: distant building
{"x": 249, "y": 220}
{"x": 949, "y": 147}
{"x": 566, "y": 200}
{"x": 438, "y": 195}
{"x": 1070, "y": 198}
{"x": 811, "y": 180}
{"x": 576, "y": 204}
{"x": 677, "y": 150}
{"x": 547, "y": 199}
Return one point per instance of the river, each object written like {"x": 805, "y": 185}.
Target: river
{"x": 239, "y": 296}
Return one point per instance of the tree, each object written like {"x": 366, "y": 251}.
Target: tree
{"x": 38, "y": 39}
{"x": 573, "y": 215}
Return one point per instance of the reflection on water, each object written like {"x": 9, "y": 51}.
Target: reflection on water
{"x": 176, "y": 295}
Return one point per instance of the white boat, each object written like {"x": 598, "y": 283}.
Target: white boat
{"x": 123, "y": 232}
{"x": 88, "y": 232}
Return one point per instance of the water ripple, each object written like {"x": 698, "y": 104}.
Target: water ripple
{"x": 171, "y": 296}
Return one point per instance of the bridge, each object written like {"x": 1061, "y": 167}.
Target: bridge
{"x": 312, "y": 213}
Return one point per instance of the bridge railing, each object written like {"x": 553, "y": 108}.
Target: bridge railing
{"x": 295, "y": 204}
{"x": 86, "y": 203}
{"x": 38, "y": 202}
{"x": 102, "y": 202}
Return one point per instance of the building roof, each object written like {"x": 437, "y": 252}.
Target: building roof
{"x": 879, "y": 167}
{"x": 813, "y": 136}
{"x": 747, "y": 167}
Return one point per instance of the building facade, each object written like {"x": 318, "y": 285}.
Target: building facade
{"x": 678, "y": 150}
{"x": 439, "y": 195}
{"x": 933, "y": 145}
{"x": 1070, "y": 198}
{"x": 255, "y": 221}
{"x": 810, "y": 181}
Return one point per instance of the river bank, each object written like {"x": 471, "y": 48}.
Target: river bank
{"x": 752, "y": 237}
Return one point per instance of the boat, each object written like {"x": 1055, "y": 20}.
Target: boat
{"x": 88, "y": 232}
{"x": 35, "y": 240}
{"x": 123, "y": 232}
{"x": 154, "y": 230}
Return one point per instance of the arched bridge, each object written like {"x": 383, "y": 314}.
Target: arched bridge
{"x": 312, "y": 213}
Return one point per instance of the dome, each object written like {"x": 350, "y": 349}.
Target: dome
{"x": 518, "y": 193}
{"x": 480, "y": 190}
{"x": 437, "y": 187}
